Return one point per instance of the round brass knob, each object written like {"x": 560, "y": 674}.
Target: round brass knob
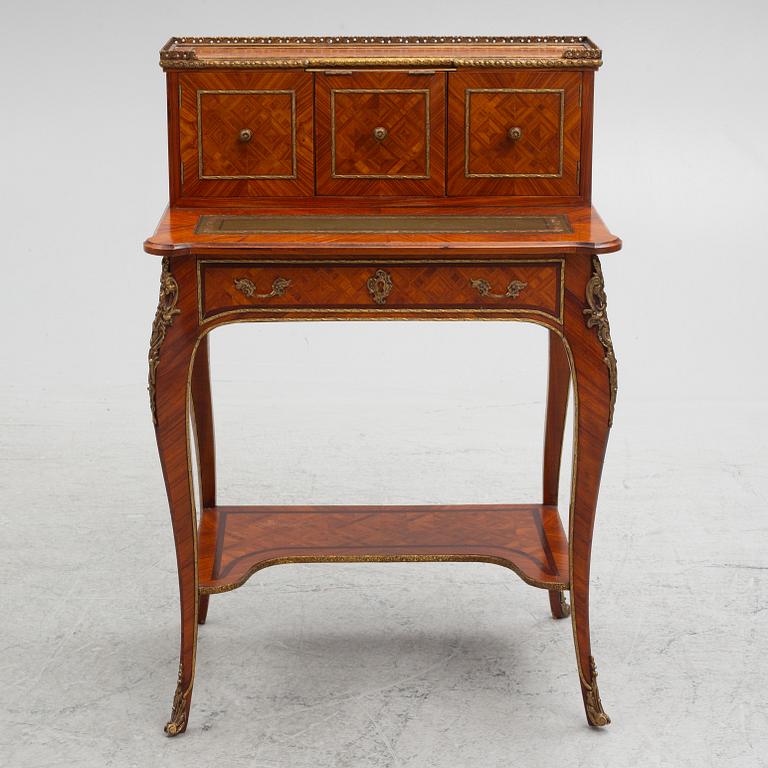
{"x": 513, "y": 134}
{"x": 245, "y": 135}
{"x": 380, "y": 133}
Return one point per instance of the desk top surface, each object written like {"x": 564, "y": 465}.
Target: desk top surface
{"x": 381, "y": 230}
{"x": 250, "y": 52}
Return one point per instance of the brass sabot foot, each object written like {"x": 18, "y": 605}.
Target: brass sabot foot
{"x": 173, "y": 729}
{"x": 178, "y": 722}
{"x": 596, "y": 715}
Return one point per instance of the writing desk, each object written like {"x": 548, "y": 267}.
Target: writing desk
{"x": 381, "y": 179}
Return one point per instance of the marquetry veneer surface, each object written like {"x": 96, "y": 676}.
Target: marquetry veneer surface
{"x": 542, "y": 158}
{"x": 237, "y": 541}
{"x": 380, "y": 133}
{"x": 246, "y": 134}
{"x": 518, "y": 286}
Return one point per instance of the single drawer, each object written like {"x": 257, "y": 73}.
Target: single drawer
{"x": 424, "y": 286}
{"x": 246, "y": 134}
{"x": 380, "y": 133}
{"x": 514, "y": 133}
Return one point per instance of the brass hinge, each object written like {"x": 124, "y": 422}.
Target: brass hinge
{"x": 580, "y": 87}
{"x": 179, "y": 97}
{"x": 578, "y": 171}
{"x": 181, "y": 166}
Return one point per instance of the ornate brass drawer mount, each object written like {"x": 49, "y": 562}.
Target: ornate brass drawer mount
{"x": 248, "y": 288}
{"x": 514, "y": 289}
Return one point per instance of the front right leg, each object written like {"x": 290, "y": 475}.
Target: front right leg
{"x": 174, "y": 335}
{"x": 588, "y": 334}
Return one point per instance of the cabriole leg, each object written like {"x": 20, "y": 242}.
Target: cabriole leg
{"x": 558, "y": 604}
{"x": 588, "y": 334}
{"x": 558, "y": 384}
{"x": 202, "y": 420}
{"x": 171, "y": 349}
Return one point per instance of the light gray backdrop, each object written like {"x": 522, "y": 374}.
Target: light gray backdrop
{"x": 452, "y": 665}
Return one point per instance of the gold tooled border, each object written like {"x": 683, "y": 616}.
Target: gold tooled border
{"x": 317, "y": 312}
{"x": 427, "y": 127}
{"x": 201, "y": 229}
{"x": 259, "y": 92}
{"x": 467, "y": 116}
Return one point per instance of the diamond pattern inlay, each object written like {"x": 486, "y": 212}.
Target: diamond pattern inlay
{"x": 424, "y": 287}
{"x": 539, "y": 116}
{"x": 270, "y": 119}
{"x": 356, "y": 152}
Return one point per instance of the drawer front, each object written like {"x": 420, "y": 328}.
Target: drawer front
{"x": 519, "y": 286}
{"x": 246, "y": 134}
{"x": 514, "y": 133}
{"x": 380, "y": 133}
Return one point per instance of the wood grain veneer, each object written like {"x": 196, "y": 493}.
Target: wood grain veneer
{"x": 235, "y": 542}
{"x": 331, "y": 287}
{"x": 274, "y": 156}
{"x": 544, "y": 108}
{"x": 380, "y": 133}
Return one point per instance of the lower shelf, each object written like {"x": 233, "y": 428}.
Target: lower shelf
{"x": 235, "y": 542}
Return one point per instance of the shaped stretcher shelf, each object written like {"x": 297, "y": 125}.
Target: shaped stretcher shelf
{"x": 235, "y": 542}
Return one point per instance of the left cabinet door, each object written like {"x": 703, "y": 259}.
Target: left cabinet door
{"x": 246, "y": 134}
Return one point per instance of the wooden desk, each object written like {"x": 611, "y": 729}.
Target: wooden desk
{"x": 379, "y": 179}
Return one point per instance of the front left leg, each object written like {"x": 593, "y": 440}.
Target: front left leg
{"x": 174, "y": 334}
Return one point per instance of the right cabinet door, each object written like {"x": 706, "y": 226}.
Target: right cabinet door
{"x": 514, "y": 133}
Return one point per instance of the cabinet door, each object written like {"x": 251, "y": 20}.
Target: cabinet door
{"x": 246, "y": 134}
{"x": 380, "y": 133}
{"x": 514, "y": 133}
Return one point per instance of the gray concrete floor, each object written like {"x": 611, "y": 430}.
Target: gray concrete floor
{"x": 446, "y": 665}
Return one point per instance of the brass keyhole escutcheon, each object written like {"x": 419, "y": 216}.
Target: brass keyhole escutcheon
{"x": 514, "y": 133}
{"x": 245, "y": 135}
{"x": 380, "y": 133}
{"x": 380, "y": 286}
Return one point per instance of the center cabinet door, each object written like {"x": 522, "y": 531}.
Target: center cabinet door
{"x": 380, "y": 133}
